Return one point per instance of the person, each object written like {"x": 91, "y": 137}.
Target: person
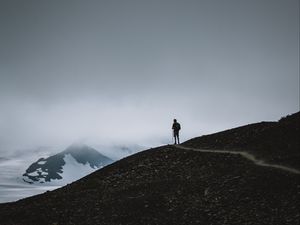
{"x": 176, "y": 127}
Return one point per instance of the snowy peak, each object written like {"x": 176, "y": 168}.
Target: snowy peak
{"x": 85, "y": 154}
{"x": 71, "y": 164}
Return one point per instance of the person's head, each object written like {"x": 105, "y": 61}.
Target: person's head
{"x": 175, "y": 120}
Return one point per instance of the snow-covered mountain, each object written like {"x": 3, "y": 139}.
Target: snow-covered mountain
{"x": 73, "y": 163}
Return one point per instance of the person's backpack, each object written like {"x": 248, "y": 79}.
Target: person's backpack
{"x": 177, "y": 126}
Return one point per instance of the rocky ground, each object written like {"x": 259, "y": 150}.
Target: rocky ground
{"x": 167, "y": 185}
{"x": 275, "y": 142}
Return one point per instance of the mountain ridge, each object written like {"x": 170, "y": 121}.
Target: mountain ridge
{"x": 167, "y": 185}
{"x": 276, "y": 142}
{"x": 51, "y": 168}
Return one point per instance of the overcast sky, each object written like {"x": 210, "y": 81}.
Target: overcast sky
{"x": 118, "y": 72}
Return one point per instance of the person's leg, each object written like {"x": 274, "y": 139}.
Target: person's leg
{"x": 178, "y": 138}
{"x": 174, "y": 134}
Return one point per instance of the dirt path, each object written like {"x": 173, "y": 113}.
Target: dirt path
{"x": 245, "y": 155}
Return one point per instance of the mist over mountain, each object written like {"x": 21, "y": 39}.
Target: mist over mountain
{"x": 73, "y": 163}
{"x": 114, "y": 74}
{"x": 121, "y": 71}
{"x": 13, "y": 164}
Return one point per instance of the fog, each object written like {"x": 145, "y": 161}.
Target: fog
{"x": 118, "y": 72}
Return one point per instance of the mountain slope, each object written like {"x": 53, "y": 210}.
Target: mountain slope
{"x": 167, "y": 185}
{"x": 275, "y": 142}
{"x": 74, "y": 162}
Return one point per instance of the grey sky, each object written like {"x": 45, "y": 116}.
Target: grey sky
{"x": 120, "y": 71}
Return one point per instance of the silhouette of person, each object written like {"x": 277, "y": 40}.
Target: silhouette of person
{"x": 176, "y": 127}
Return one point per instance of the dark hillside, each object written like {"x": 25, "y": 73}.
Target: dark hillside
{"x": 167, "y": 186}
{"x": 276, "y": 142}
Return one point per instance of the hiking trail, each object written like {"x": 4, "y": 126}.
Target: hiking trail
{"x": 245, "y": 155}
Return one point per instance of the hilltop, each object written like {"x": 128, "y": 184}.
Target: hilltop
{"x": 168, "y": 185}
{"x": 275, "y": 142}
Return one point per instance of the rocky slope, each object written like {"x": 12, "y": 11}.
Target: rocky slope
{"x": 167, "y": 185}
{"x": 275, "y": 142}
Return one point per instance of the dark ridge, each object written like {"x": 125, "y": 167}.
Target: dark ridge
{"x": 53, "y": 166}
{"x": 275, "y": 142}
{"x": 167, "y": 185}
